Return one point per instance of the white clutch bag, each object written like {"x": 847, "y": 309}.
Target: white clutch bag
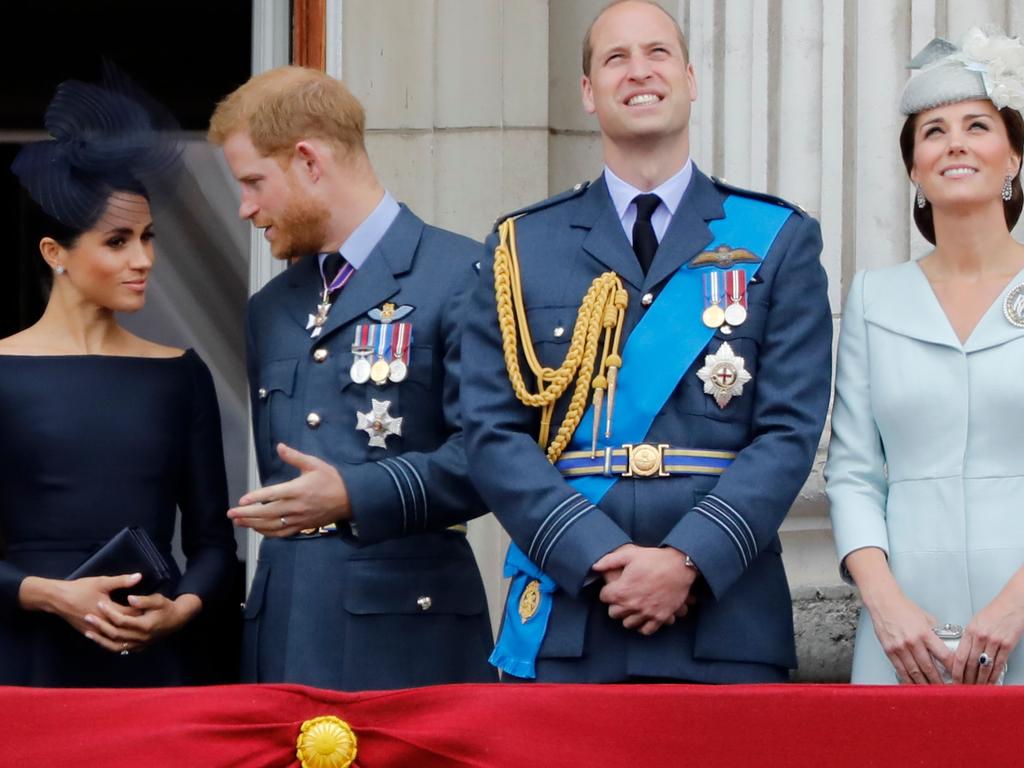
{"x": 950, "y": 634}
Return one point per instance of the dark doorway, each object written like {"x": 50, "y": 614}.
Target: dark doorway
{"x": 187, "y": 54}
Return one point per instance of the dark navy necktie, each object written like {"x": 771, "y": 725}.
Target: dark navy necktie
{"x": 332, "y": 263}
{"x": 645, "y": 242}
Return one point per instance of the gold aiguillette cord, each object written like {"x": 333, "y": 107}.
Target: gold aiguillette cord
{"x": 599, "y": 322}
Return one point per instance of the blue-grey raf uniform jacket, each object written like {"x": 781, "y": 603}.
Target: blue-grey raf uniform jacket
{"x": 741, "y": 629}
{"x": 396, "y": 599}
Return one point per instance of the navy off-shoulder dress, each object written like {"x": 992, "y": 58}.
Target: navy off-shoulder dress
{"x": 90, "y": 444}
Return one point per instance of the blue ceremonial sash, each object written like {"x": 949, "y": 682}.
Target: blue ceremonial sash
{"x": 667, "y": 339}
{"x": 519, "y": 641}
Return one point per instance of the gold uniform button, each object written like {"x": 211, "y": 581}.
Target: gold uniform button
{"x": 313, "y": 420}
{"x": 424, "y": 602}
{"x": 647, "y": 299}
{"x": 319, "y": 355}
{"x": 262, "y": 393}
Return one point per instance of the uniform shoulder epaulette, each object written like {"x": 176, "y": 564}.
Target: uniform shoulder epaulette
{"x": 723, "y": 184}
{"x": 575, "y": 191}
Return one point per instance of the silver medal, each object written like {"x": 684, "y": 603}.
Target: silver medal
{"x": 397, "y": 370}
{"x": 360, "y": 370}
{"x": 735, "y": 314}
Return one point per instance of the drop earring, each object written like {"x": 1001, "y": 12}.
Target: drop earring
{"x": 921, "y": 200}
{"x": 1008, "y": 188}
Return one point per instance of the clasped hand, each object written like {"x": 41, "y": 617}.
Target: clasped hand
{"x": 995, "y": 630}
{"x": 86, "y": 605}
{"x": 905, "y": 633}
{"x": 917, "y": 654}
{"x": 316, "y": 497}
{"x": 646, "y": 587}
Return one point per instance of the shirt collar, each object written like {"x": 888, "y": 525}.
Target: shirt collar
{"x": 360, "y": 244}
{"x": 670, "y": 191}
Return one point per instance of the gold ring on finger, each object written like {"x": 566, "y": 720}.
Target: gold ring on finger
{"x": 124, "y": 649}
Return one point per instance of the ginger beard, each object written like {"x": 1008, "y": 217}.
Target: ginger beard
{"x": 301, "y": 229}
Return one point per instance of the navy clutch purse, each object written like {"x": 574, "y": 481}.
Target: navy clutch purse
{"x": 131, "y": 550}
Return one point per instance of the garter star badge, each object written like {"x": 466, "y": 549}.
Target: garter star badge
{"x": 723, "y": 375}
{"x": 1013, "y": 306}
{"x": 326, "y": 742}
{"x": 530, "y": 601}
{"x": 379, "y": 424}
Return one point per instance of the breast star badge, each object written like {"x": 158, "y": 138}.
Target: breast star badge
{"x": 723, "y": 375}
{"x": 379, "y": 424}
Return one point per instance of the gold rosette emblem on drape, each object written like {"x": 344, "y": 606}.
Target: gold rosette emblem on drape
{"x": 326, "y": 742}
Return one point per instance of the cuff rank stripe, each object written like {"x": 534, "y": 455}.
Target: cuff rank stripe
{"x": 401, "y": 494}
{"x": 727, "y": 525}
{"x": 419, "y": 484}
{"x": 407, "y": 491}
{"x": 412, "y": 491}
{"x": 565, "y": 526}
{"x": 564, "y": 509}
{"x": 725, "y": 507}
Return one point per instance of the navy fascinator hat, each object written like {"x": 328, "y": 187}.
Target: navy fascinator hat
{"x": 106, "y": 138}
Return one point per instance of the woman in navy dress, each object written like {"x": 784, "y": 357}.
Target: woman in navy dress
{"x": 101, "y": 429}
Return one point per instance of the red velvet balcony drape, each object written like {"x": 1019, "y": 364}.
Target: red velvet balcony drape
{"x": 506, "y": 726}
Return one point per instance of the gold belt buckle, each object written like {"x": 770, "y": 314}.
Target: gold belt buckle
{"x": 645, "y": 460}
{"x": 322, "y": 530}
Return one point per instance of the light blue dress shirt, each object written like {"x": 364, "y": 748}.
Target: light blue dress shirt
{"x": 670, "y": 191}
{"x": 358, "y": 246}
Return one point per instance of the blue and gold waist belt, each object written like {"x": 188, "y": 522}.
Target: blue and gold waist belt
{"x": 644, "y": 460}
{"x": 349, "y": 529}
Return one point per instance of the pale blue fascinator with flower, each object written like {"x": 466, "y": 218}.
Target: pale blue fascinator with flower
{"x": 986, "y": 65}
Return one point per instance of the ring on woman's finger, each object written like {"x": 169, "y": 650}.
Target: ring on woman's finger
{"x": 124, "y": 649}
{"x": 284, "y": 521}
{"x": 984, "y": 660}
{"x": 912, "y": 672}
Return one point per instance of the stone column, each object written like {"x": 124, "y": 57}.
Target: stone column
{"x": 457, "y": 115}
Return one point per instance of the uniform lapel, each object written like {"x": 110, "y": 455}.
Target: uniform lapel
{"x": 304, "y": 289}
{"x": 375, "y": 282}
{"x": 607, "y": 241}
{"x": 688, "y": 232}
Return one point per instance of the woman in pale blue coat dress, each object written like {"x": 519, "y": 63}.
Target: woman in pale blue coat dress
{"x": 925, "y": 471}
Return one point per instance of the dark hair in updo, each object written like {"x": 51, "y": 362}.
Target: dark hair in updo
{"x": 106, "y": 138}
{"x": 1011, "y": 208}
{"x": 39, "y": 224}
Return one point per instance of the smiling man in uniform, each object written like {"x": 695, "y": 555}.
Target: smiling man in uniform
{"x": 667, "y": 341}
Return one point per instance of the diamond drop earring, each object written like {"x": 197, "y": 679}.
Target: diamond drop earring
{"x": 921, "y": 200}
{"x": 1008, "y": 188}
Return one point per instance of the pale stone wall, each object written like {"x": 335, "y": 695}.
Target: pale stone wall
{"x": 473, "y": 109}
